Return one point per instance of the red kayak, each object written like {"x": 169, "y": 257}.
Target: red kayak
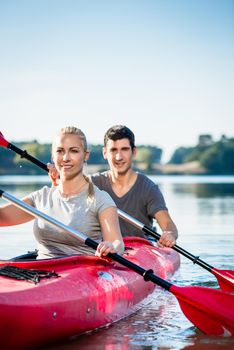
{"x": 75, "y": 294}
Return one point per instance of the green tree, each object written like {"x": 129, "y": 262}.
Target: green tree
{"x": 219, "y": 158}
{"x": 148, "y": 155}
{"x": 180, "y": 155}
{"x": 96, "y": 155}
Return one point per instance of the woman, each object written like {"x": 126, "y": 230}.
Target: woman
{"x": 75, "y": 201}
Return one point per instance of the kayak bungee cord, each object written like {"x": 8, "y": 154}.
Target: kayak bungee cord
{"x": 210, "y": 310}
{"x": 225, "y": 278}
{"x": 26, "y": 274}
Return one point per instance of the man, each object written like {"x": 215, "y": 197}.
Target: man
{"x": 133, "y": 192}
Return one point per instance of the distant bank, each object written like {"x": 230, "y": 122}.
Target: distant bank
{"x": 190, "y": 168}
{"x": 206, "y": 157}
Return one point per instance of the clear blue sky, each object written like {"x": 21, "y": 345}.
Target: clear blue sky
{"x": 162, "y": 67}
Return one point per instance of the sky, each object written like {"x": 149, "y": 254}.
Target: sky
{"x": 164, "y": 68}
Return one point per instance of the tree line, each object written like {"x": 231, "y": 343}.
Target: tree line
{"x": 216, "y": 157}
{"x": 13, "y": 164}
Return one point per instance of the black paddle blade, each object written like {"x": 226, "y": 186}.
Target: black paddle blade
{"x": 210, "y": 310}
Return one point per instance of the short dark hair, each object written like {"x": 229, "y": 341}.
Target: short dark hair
{"x": 118, "y": 132}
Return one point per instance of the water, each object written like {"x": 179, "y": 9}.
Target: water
{"x": 203, "y": 209}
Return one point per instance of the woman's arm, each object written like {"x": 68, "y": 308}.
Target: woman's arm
{"x": 11, "y": 215}
{"x": 112, "y": 238}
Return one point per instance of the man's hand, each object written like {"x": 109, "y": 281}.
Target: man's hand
{"x": 167, "y": 239}
{"x": 53, "y": 174}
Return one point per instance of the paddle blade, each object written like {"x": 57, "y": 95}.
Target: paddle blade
{"x": 225, "y": 279}
{"x": 3, "y": 141}
{"x": 210, "y": 310}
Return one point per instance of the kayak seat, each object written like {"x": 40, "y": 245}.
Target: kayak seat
{"x": 28, "y": 256}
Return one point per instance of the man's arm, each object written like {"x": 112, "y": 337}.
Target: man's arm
{"x": 168, "y": 227}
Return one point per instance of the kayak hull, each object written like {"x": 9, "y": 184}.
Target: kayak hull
{"x": 88, "y": 293}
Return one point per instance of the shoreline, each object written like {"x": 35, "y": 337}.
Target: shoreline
{"x": 189, "y": 168}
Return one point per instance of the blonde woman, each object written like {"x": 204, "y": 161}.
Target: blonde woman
{"x": 75, "y": 201}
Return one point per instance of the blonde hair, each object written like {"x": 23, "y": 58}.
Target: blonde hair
{"x": 72, "y": 130}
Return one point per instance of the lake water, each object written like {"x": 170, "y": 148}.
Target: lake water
{"x": 203, "y": 209}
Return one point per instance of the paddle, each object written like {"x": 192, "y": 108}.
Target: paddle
{"x": 23, "y": 154}
{"x": 225, "y": 277}
{"x": 210, "y": 310}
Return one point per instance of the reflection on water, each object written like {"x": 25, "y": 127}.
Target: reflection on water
{"x": 150, "y": 328}
{"x": 203, "y": 212}
{"x": 201, "y": 190}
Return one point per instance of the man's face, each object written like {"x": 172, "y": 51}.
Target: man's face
{"x": 119, "y": 155}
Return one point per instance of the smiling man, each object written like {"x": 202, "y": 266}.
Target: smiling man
{"x": 133, "y": 192}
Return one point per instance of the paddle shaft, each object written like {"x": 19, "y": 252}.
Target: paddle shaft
{"x": 151, "y": 232}
{"x": 147, "y": 274}
{"x": 24, "y": 154}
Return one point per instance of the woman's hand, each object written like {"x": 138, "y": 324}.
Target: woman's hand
{"x": 105, "y": 248}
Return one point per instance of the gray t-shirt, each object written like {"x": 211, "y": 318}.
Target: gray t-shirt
{"x": 142, "y": 201}
{"x": 77, "y": 212}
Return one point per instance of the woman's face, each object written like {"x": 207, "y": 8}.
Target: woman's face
{"x": 68, "y": 155}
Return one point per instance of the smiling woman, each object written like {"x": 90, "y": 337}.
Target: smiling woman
{"x": 80, "y": 204}
{"x": 69, "y": 152}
